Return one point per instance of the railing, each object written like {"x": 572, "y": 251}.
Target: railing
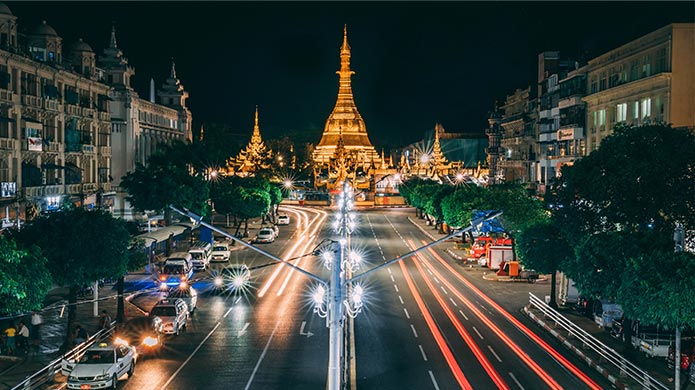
{"x": 40, "y": 191}
{"x": 88, "y": 149}
{"x": 89, "y": 187}
{"x": 73, "y": 188}
{"x": 105, "y": 150}
{"x": 588, "y": 341}
{"x": 104, "y": 116}
{"x": 53, "y": 147}
{"x": 48, "y": 373}
{"x": 7, "y": 143}
{"x": 72, "y": 109}
{"x": 33, "y": 101}
{"x": 6, "y": 95}
{"x": 51, "y": 104}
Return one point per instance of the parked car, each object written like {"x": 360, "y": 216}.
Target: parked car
{"x": 187, "y": 294}
{"x": 100, "y": 367}
{"x": 605, "y": 312}
{"x": 283, "y": 219}
{"x": 220, "y": 251}
{"x": 265, "y": 235}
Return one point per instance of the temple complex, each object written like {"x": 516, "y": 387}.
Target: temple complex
{"x": 344, "y": 148}
{"x": 254, "y": 157}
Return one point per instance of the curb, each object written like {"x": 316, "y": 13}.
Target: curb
{"x": 615, "y": 381}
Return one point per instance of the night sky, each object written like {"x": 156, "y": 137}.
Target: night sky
{"x": 416, "y": 63}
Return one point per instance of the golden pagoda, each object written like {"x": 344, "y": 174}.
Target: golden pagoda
{"x": 255, "y": 156}
{"x": 345, "y": 121}
{"x": 438, "y": 159}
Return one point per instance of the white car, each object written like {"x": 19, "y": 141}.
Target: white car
{"x": 188, "y": 295}
{"x": 100, "y": 367}
{"x": 220, "y": 251}
{"x": 283, "y": 219}
{"x": 173, "y": 313}
{"x": 265, "y": 235}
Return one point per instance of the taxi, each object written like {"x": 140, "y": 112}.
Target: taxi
{"x": 101, "y": 366}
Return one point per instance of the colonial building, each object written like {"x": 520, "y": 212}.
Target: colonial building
{"x": 140, "y": 126}
{"x": 649, "y": 79}
{"x": 519, "y": 140}
{"x": 256, "y": 156}
{"x": 345, "y": 123}
{"x": 55, "y": 124}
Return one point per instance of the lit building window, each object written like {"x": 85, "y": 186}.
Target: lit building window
{"x": 602, "y": 117}
{"x": 646, "y": 107}
{"x": 621, "y": 112}
{"x": 635, "y": 110}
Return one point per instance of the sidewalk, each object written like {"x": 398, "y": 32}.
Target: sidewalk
{"x": 518, "y": 303}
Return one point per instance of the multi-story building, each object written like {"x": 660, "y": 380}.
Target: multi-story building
{"x": 55, "y": 124}
{"x": 519, "y": 140}
{"x": 560, "y": 116}
{"x": 140, "y": 126}
{"x": 649, "y": 79}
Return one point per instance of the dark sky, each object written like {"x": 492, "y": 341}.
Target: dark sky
{"x": 416, "y": 63}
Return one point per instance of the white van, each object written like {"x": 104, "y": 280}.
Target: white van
{"x": 173, "y": 313}
{"x": 177, "y": 269}
{"x": 200, "y": 254}
{"x": 220, "y": 251}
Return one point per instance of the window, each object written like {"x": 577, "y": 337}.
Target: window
{"x": 635, "y": 110}
{"x": 621, "y": 112}
{"x": 634, "y": 70}
{"x": 602, "y": 117}
{"x": 646, "y": 66}
{"x": 595, "y": 118}
{"x": 602, "y": 82}
{"x": 646, "y": 107}
{"x": 661, "y": 62}
{"x": 594, "y": 84}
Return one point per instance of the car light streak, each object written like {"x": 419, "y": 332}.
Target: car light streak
{"x": 448, "y": 355}
{"x": 494, "y": 375}
{"x": 550, "y": 350}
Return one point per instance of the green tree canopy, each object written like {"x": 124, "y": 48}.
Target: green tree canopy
{"x": 24, "y": 278}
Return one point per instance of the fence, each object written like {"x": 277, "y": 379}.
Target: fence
{"x": 626, "y": 368}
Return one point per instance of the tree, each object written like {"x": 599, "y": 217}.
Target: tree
{"x": 243, "y": 198}
{"x": 24, "y": 278}
{"x": 433, "y": 203}
{"x": 543, "y": 248}
{"x": 81, "y": 247}
{"x": 167, "y": 179}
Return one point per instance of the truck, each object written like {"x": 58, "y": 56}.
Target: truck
{"x": 479, "y": 248}
{"x": 496, "y": 254}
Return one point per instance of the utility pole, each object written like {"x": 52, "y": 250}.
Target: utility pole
{"x": 679, "y": 241}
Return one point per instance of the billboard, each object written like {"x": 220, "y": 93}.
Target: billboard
{"x": 8, "y": 189}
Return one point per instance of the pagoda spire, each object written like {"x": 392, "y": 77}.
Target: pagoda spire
{"x": 173, "y": 69}
{"x": 112, "y": 43}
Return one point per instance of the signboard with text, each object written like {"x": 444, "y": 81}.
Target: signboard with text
{"x": 565, "y": 134}
{"x": 35, "y": 144}
{"x": 8, "y": 189}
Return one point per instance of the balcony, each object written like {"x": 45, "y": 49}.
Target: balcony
{"x": 71, "y": 109}
{"x": 87, "y": 112}
{"x": 105, "y": 151}
{"x": 104, "y": 116}
{"x": 89, "y": 187}
{"x": 88, "y": 149}
{"x": 42, "y": 191}
{"x": 7, "y": 143}
{"x": 73, "y": 189}
{"x": 570, "y": 101}
{"x": 53, "y": 147}
{"x": 51, "y": 104}
{"x": 32, "y": 101}
{"x": 6, "y": 95}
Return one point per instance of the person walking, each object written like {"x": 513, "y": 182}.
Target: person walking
{"x": 36, "y": 322}
{"x": 10, "y": 333}
{"x": 105, "y": 321}
{"x": 23, "y": 337}
{"x": 81, "y": 335}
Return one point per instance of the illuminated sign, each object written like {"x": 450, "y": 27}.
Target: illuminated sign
{"x": 565, "y": 134}
{"x": 34, "y": 143}
{"x": 8, "y": 189}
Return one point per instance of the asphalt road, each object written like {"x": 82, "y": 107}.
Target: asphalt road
{"x": 428, "y": 323}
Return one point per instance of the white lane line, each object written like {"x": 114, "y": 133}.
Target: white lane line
{"x": 464, "y": 316}
{"x": 392, "y": 279}
{"x": 516, "y": 381}
{"x": 476, "y": 331}
{"x": 243, "y": 330}
{"x": 422, "y": 351}
{"x": 444, "y": 290}
{"x": 265, "y": 350}
{"x": 190, "y": 356}
{"x": 406, "y": 313}
{"x": 428, "y": 270}
{"x": 401, "y": 299}
{"x": 453, "y": 301}
{"x": 388, "y": 269}
{"x": 413, "y": 328}
{"x": 434, "y": 381}
{"x": 228, "y": 311}
{"x": 435, "y": 279}
{"x": 396, "y": 287}
{"x": 494, "y": 353}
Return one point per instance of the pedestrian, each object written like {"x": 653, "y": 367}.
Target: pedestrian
{"x": 105, "y": 321}
{"x": 80, "y": 335}
{"x": 23, "y": 337}
{"x": 10, "y": 333}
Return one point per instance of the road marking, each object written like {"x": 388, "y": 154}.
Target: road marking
{"x": 444, "y": 290}
{"x": 435, "y": 279}
{"x": 464, "y": 316}
{"x": 453, "y": 301}
{"x": 401, "y": 299}
{"x": 392, "y": 279}
{"x": 191, "y": 356}
{"x": 301, "y": 330}
{"x": 228, "y": 311}
{"x": 434, "y": 381}
{"x": 260, "y": 359}
{"x": 516, "y": 381}
{"x": 476, "y": 331}
{"x": 494, "y": 353}
{"x": 243, "y": 330}
{"x": 413, "y": 328}
{"x": 396, "y": 287}
{"x": 406, "y": 314}
{"x": 422, "y": 351}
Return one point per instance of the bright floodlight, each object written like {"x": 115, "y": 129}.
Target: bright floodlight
{"x": 287, "y": 183}
{"x": 238, "y": 281}
{"x": 459, "y": 177}
{"x": 425, "y": 158}
{"x": 218, "y": 281}
{"x": 318, "y": 295}
{"x": 357, "y": 292}
{"x": 355, "y": 257}
{"x": 213, "y": 174}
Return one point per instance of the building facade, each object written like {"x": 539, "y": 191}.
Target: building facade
{"x": 55, "y": 124}
{"x": 140, "y": 126}
{"x": 650, "y": 79}
{"x": 519, "y": 140}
